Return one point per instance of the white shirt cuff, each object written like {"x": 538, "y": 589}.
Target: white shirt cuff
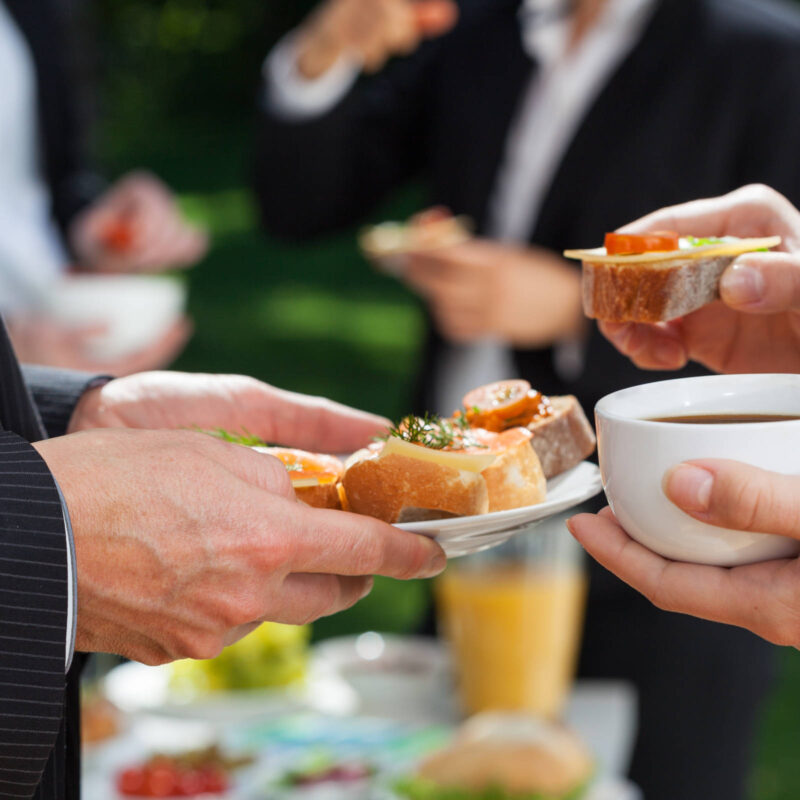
{"x": 72, "y": 585}
{"x": 295, "y": 98}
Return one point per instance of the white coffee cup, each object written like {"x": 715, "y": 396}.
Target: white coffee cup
{"x": 636, "y": 452}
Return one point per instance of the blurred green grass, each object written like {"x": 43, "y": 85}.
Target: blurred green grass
{"x": 315, "y": 318}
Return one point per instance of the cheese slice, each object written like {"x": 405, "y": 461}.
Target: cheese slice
{"x": 305, "y": 483}
{"x": 733, "y": 248}
{"x": 466, "y": 462}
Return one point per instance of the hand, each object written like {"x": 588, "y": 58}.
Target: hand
{"x": 233, "y": 402}
{"x": 756, "y": 325}
{"x": 372, "y": 31}
{"x": 764, "y": 598}
{"x": 136, "y": 227}
{"x": 185, "y": 543}
{"x": 41, "y": 341}
{"x": 528, "y": 296}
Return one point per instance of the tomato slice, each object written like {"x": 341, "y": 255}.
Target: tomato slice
{"x": 303, "y": 466}
{"x": 624, "y": 244}
{"x": 117, "y": 236}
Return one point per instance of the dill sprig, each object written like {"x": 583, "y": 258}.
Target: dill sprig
{"x": 244, "y": 438}
{"x": 435, "y": 433}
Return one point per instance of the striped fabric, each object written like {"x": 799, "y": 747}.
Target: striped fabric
{"x": 39, "y": 711}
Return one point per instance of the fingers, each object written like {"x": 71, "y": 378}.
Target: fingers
{"x": 762, "y": 283}
{"x": 711, "y": 593}
{"x": 733, "y": 495}
{"x": 435, "y": 17}
{"x": 304, "y": 598}
{"x": 310, "y": 423}
{"x": 656, "y": 347}
{"x": 341, "y": 543}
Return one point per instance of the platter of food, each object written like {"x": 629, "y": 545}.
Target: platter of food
{"x": 657, "y": 277}
{"x": 508, "y": 458}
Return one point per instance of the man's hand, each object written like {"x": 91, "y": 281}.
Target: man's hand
{"x": 527, "y": 296}
{"x": 233, "y": 402}
{"x": 38, "y": 340}
{"x": 136, "y": 227}
{"x": 756, "y": 325}
{"x": 764, "y": 598}
{"x": 184, "y": 544}
{"x": 371, "y": 31}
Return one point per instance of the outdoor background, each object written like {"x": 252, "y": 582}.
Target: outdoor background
{"x": 176, "y": 89}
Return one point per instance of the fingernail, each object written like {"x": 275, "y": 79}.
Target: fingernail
{"x": 369, "y": 583}
{"x": 689, "y": 487}
{"x": 669, "y": 352}
{"x": 742, "y": 286}
{"x": 436, "y": 565}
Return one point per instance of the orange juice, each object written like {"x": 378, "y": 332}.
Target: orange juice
{"x": 514, "y": 630}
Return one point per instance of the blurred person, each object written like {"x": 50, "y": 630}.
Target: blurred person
{"x": 55, "y": 213}
{"x": 157, "y": 544}
{"x": 548, "y": 123}
{"x": 755, "y": 327}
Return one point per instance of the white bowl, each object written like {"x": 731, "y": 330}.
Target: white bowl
{"x": 135, "y": 309}
{"x": 636, "y": 452}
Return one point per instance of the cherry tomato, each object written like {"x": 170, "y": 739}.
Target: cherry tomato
{"x": 191, "y": 783}
{"x": 215, "y": 780}
{"x": 131, "y": 781}
{"x": 163, "y": 781}
{"x": 435, "y": 17}
{"x": 620, "y": 244}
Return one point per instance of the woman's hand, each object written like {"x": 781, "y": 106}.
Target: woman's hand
{"x": 527, "y": 296}
{"x": 136, "y": 226}
{"x": 764, "y": 598}
{"x": 755, "y": 327}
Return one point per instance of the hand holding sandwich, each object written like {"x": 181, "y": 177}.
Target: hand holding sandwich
{"x": 763, "y": 598}
{"x": 370, "y": 31}
{"x": 755, "y": 327}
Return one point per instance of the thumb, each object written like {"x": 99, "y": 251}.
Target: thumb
{"x": 762, "y": 283}
{"x": 733, "y": 495}
{"x": 435, "y": 17}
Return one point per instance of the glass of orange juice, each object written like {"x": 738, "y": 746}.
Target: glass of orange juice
{"x": 513, "y": 616}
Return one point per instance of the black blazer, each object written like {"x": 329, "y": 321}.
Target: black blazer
{"x": 39, "y": 704}
{"x": 707, "y": 101}
{"x": 45, "y": 26}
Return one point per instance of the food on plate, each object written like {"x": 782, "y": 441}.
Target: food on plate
{"x": 272, "y": 657}
{"x": 330, "y": 772}
{"x": 505, "y": 756}
{"x": 562, "y": 436}
{"x": 428, "y": 230}
{"x": 659, "y": 276}
{"x": 316, "y": 478}
{"x": 100, "y": 719}
{"x": 117, "y": 236}
{"x": 193, "y": 774}
{"x": 434, "y": 468}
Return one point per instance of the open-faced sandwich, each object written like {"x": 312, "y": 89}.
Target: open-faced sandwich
{"x": 434, "y": 468}
{"x": 562, "y": 436}
{"x": 316, "y": 478}
{"x": 505, "y": 756}
{"x": 659, "y": 276}
{"x": 388, "y": 242}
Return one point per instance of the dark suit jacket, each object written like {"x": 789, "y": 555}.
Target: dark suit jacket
{"x": 65, "y": 167}
{"x": 39, "y": 704}
{"x": 706, "y": 102}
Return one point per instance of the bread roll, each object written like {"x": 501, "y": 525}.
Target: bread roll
{"x": 564, "y": 438}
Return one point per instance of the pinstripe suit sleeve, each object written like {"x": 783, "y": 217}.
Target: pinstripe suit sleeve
{"x": 33, "y": 616}
{"x": 56, "y": 393}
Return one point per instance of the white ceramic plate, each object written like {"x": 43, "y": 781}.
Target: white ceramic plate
{"x": 460, "y": 536}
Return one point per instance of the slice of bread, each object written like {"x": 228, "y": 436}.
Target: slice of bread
{"x": 564, "y": 438}
{"x": 402, "y": 482}
{"x": 651, "y": 291}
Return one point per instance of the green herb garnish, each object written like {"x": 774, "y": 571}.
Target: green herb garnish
{"x": 435, "y": 433}
{"x": 694, "y": 241}
{"x": 244, "y": 438}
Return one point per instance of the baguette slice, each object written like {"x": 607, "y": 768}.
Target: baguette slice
{"x": 563, "y": 439}
{"x": 401, "y": 488}
{"x": 315, "y": 477}
{"x": 657, "y": 287}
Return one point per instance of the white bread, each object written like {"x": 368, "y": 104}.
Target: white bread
{"x": 322, "y": 492}
{"x": 564, "y": 438}
{"x": 420, "y": 484}
{"x": 514, "y": 752}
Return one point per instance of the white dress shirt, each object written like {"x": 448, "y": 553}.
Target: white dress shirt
{"x": 31, "y": 251}
{"x": 556, "y": 100}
